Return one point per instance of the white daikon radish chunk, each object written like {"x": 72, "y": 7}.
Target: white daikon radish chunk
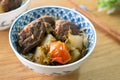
{"x": 76, "y": 41}
{"x": 48, "y": 39}
{"x": 75, "y": 54}
{"x": 39, "y": 55}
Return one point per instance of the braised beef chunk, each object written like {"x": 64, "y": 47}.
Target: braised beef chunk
{"x": 62, "y": 27}
{"x": 48, "y": 19}
{"x": 48, "y": 27}
{"x": 31, "y": 35}
{"x": 9, "y": 5}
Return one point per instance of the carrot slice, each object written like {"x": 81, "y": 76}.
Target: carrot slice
{"x": 59, "y": 53}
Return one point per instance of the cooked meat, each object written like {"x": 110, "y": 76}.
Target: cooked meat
{"x": 9, "y": 5}
{"x": 48, "y": 19}
{"x": 48, "y": 27}
{"x": 62, "y": 27}
{"x": 31, "y": 35}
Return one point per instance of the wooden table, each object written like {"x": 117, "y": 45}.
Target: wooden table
{"x": 103, "y": 63}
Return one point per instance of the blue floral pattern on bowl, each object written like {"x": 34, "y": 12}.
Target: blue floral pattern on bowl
{"x": 57, "y": 12}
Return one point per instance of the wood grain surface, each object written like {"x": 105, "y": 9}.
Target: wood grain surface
{"x": 102, "y": 64}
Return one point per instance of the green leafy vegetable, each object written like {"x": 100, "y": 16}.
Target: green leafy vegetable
{"x": 111, "y": 5}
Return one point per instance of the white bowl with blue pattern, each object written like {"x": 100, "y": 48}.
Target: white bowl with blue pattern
{"x": 7, "y": 18}
{"x": 60, "y": 12}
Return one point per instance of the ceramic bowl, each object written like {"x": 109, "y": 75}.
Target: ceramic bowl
{"x": 60, "y": 12}
{"x": 7, "y": 18}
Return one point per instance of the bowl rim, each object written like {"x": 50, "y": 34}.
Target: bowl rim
{"x": 23, "y": 5}
{"x": 48, "y": 66}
